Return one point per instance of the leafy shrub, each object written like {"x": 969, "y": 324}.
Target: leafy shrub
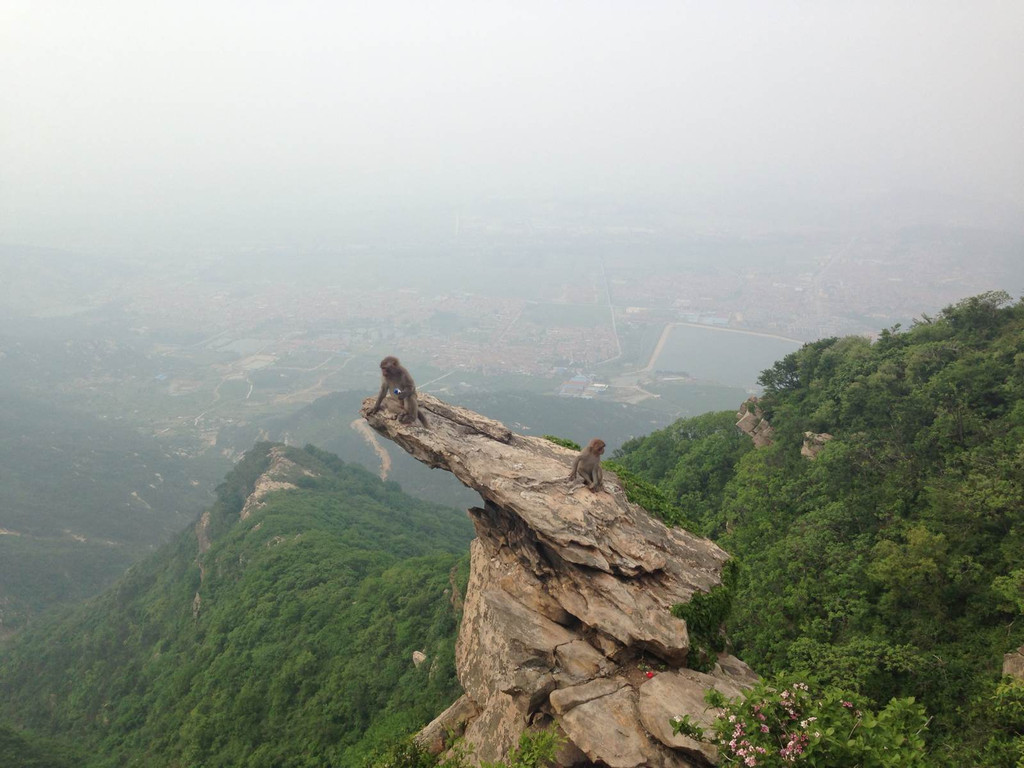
{"x": 536, "y": 750}
{"x": 704, "y": 616}
{"x": 565, "y": 443}
{"x": 783, "y": 723}
{"x": 1005, "y": 748}
{"x": 649, "y": 496}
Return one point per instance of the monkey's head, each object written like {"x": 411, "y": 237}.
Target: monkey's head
{"x": 596, "y": 446}
{"x": 390, "y": 364}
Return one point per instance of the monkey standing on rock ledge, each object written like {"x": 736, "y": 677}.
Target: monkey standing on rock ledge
{"x": 588, "y": 465}
{"x": 396, "y": 379}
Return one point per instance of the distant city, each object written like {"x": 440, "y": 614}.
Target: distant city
{"x": 589, "y": 313}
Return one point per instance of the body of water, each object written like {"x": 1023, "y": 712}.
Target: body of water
{"x": 726, "y": 357}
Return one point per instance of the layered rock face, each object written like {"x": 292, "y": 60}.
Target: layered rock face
{"x": 814, "y": 443}
{"x": 750, "y": 419}
{"x": 568, "y": 608}
{"x": 1013, "y": 663}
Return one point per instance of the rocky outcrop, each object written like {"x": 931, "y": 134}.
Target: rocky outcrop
{"x": 751, "y": 420}
{"x": 814, "y": 442}
{"x": 277, "y": 477}
{"x": 568, "y": 604}
{"x": 1013, "y": 664}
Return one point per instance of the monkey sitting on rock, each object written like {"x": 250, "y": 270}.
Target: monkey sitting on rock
{"x": 396, "y": 380}
{"x": 588, "y": 465}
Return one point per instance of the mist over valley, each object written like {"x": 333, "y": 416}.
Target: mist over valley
{"x": 582, "y": 221}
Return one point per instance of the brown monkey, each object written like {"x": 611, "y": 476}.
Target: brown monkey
{"x": 588, "y": 465}
{"x": 396, "y": 379}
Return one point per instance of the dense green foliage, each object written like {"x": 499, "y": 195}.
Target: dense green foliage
{"x": 691, "y": 461}
{"x": 290, "y": 647}
{"x": 891, "y": 564}
{"x": 21, "y": 750}
{"x": 705, "y": 616}
{"x": 781, "y": 722}
{"x": 1005, "y": 713}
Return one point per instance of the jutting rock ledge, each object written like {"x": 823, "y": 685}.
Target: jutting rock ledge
{"x": 570, "y": 594}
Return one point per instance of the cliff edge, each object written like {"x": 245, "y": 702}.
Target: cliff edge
{"x": 567, "y": 616}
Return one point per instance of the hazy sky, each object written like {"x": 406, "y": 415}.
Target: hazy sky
{"x": 253, "y": 122}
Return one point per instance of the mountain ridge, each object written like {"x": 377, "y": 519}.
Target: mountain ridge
{"x": 291, "y": 646}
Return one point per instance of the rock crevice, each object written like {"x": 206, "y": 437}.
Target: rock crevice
{"x": 569, "y": 597}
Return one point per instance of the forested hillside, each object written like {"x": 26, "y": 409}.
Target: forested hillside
{"x": 81, "y": 498}
{"x": 296, "y": 652}
{"x": 892, "y": 564}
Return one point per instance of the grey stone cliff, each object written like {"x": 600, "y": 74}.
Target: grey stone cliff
{"x": 569, "y": 596}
